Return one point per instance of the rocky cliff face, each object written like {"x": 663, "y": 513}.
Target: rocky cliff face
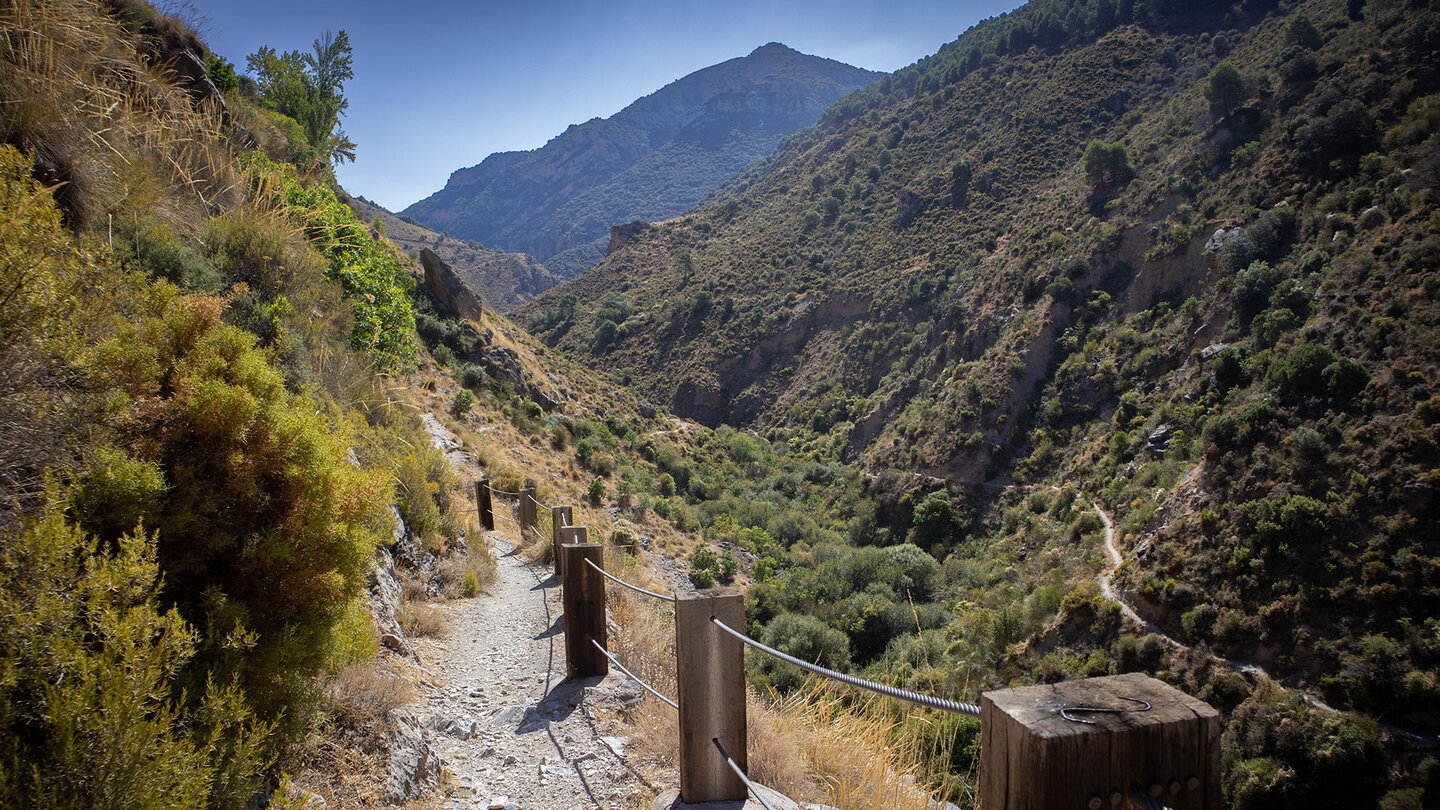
{"x": 653, "y": 160}
{"x": 502, "y": 280}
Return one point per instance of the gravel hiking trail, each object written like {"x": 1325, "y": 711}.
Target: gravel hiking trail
{"x": 511, "y": 730}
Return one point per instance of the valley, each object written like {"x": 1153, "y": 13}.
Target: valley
{"x": 1100, "y": 341}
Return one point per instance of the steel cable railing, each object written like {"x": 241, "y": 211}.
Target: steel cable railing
{"x": 889, "y": 691}
{"x": 506, "y": 493}
{"x": 734, "y": 766}
{"x": 636, "y": 678}
{"x": 619, "y": 581}
{"x": 1144, "y": 800}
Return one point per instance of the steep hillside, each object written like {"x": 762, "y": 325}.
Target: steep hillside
{"x": 503, "y": 280}
{"x": 1176, "y": 259}
{"x": 654, "y": 159}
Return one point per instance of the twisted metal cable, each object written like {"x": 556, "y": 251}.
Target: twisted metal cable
{"x": 506, "y": 493}
{"x": 750, "y": 786}
{"x": 636, "y": 678}
{"x": 498, "y": 516}
{"x": 619, "y": 581}
{"x": 931, "y": 701}
{"x": 536, "y": 532}
{"x": 1144, "y": 800}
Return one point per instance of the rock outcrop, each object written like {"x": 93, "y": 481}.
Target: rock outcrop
{"x": 448, "y": 289}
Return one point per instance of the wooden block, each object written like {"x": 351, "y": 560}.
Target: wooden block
{"x": 527, "y": 514}
{"x": 710, "y": 672}
{"x": 560, "y": 517}
{"x": 568, "y": 535}
{"x": 483, "y": 505}
{"x": 583, "y": 595}
{"x": 1033, "y": 758}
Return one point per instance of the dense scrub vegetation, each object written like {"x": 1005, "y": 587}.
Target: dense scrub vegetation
{"x": 197, "y": 455}
{"x": 1174, "y": 259}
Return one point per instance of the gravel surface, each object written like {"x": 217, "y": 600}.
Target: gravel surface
{"x": 512, "y": 732}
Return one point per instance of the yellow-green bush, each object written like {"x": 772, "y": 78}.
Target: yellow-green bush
{"x": 267, "y": 528}
{"x": 90, "y": 664}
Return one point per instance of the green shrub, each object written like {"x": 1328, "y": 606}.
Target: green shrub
{"x": 91, "y": 713}
{"x": 372, "y": 276}
{"x": 463, "y": 402}
{"x": 595, "y": 493}
{"x": 806, "y": 638}
{"x": 266, "y": 530}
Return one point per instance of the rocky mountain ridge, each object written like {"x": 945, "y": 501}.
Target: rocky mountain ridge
{"x": 654, "y": 159}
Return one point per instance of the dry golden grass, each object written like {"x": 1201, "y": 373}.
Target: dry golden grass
{"x": 364, "y": 691}
{"x": 420, "y": 620}
{"x": 81, "y": 95}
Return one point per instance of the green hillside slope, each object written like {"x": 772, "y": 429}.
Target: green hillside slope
{"x": 1177, "y": 259}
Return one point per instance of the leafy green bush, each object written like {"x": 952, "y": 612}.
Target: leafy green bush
{"x": 372, "y": 276}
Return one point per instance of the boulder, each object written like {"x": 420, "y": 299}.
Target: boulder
{"x": 414, "y": 767}
{"x": 448, "y": 289}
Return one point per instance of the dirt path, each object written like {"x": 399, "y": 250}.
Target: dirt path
{"x": 1107, "y": 587}
{"x": 511, "y": 731}
{"x": 505, "y": 721}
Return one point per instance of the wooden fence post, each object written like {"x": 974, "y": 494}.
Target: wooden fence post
{"x": 583, "y": 595}
{"x": 1033, "y": 756}
{"x": 527, "y": 512}
{"x": 567, "y": 536}
{"x": 560, "y": 517}
{"x": 483, "y": 506}
{"x": 710, "y": 672}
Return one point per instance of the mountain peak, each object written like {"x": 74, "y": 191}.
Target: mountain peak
{"x": 652, "y": 160}
{"x": 776, "y": 48}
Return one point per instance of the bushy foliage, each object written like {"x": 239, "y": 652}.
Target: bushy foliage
{"x": 372, "y": 276}
{"x": 266, "y": 529}
{"x": 92, "y": 712}
{"x": 308, "y": 87}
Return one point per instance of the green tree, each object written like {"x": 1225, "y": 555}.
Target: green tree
{"x": 1107, "y": 164}
{"x": 1225, "y": 89}
{"x": 308, "y": 88}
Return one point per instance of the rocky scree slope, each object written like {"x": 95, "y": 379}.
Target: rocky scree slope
{"x": 654, "y": 159}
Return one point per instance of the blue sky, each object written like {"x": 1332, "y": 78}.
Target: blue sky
{"x": 440, "y": 85}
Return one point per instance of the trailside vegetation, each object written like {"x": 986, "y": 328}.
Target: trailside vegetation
{"x": 197, "y": 454}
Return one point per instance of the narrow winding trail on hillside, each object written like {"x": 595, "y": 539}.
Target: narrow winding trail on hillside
{"x": 1107, "y": 587}
{"x": 511, "y": 730}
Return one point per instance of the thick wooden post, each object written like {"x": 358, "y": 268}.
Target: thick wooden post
{"x": 560, "y": 517}
{"x": 583, "y": 595}
{"x": 483, "y": 506}
{"x": 527, "y": 513}
{"x": 1033, "y": 758}
{"x": 710, "y": 671}
{"x": 567, "y": 536}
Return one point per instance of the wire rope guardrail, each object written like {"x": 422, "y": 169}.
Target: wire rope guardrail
{"x": 735, "y": 766}
{"x": 1145, "y": 800}
{"x": 506, "y": 493}
{"x": 930, "y": 701}
{"x": 636, "y": 678}
{"x": 635, "y": 588}
{"x": 507, "y": 519}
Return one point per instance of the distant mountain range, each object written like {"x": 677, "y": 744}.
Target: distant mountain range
{"x": 653, "y": 160}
